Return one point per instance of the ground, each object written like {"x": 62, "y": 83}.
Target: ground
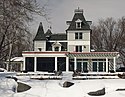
{"x": 53, "y": 88}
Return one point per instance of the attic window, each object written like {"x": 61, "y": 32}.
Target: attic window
{"x": 78, "y": 23}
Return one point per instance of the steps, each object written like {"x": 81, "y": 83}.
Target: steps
{"x": 67, "y": 76}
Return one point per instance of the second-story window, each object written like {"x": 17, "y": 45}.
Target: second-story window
{"x": 78, "y": 35}
{"x": 78, "y": 48}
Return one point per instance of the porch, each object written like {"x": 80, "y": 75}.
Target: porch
{"x": 70, "y": 61}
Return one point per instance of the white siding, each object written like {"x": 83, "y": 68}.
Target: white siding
{"x": 40, "y": 44}
{"x": 86, "y": 49}
{"x": 71, "y": 48}
{"x": 86, "y": 35}
{"x": 72, "y": 42}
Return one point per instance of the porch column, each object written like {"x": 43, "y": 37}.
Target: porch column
{"x": 21, "y": 66}
{"x": 103, "y": 67}
{"x": 35, "y": 61}
{"x": 67, "y": 64}
{"x": 7, "y": 66}
{"x": 55, "y": 63}
{"x": 106, "y": 64}
{"x": 75, "y": 63}
{"x": 24, "y": 63}
{"x": 114, "y": 61}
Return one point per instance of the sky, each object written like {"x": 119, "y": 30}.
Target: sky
{"x": 60, "y": 11}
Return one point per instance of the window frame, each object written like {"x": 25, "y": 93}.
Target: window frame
{"x": 78, "y": 25}
{"x": 78, "y": 35}
{"x": 79, "y": 48}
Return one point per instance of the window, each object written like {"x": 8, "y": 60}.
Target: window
{"x": 78, "y": 35}
{"x": 78, "y": 48}
{"x": 78, "y": 25}
{"x": 56, "y": 48}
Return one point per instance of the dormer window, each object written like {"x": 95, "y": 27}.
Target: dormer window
{"x": 78, "y": 23}
{"x": 56, "y": 46}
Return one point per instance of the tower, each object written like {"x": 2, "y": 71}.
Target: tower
{"x": 40, "y": 39}
{"x": 78, "y": 33}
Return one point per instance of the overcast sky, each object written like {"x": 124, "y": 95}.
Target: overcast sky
{"x": 61, "y": 11}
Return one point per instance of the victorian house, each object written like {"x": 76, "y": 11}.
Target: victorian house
{"x": 68, "y": 51}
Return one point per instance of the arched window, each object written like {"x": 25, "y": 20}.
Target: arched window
{"x": 56, "y": 46}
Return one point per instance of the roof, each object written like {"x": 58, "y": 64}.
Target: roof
{"x": 78, "y": 16}
{"x": 16, "y": 59}
{"x": 62, "y": 36}
{"x": 93, "y": 54}
{"x": 48, "y": 33}
{"x": 79, "y": 54}
{"x": 46, "y": 52}
{"x": 40, "y": 33}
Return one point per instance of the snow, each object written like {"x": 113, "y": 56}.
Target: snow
{"x": 16, "y": 59}
{"x": 7, "y": 87}
{"x": 52, "y": 88}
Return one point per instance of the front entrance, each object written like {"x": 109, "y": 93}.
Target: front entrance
{"x": 82, "y": 66}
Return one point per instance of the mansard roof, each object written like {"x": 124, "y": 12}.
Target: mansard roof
{"x": 78, "y": 16}
{"x": 40, "y": 33}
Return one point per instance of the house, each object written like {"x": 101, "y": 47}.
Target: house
{"x": 68, "y": 51}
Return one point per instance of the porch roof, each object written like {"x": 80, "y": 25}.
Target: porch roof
{"x": 93, "y": 54}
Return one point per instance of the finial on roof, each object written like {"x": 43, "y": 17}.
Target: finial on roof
{"x": 41, "y": 24}
{"x": 78, "y": 10}
{"x": 50, "y": 27}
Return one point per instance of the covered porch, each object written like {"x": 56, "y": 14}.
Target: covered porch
{"x": 93, "y": 61}
{"x": 70, "y": 61}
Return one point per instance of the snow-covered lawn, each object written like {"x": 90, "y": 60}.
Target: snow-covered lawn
{"x": 53, "y": 88}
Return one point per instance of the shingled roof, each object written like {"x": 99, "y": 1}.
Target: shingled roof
{"x": 78, "y": 16}
{"x": 40, "y": 33}
{"x": 48, "y": 33}
{"x": 58, "y": 37}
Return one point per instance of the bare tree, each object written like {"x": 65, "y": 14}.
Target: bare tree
{"x": 14, "y": 18}
{"x": 109, "y": 35}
